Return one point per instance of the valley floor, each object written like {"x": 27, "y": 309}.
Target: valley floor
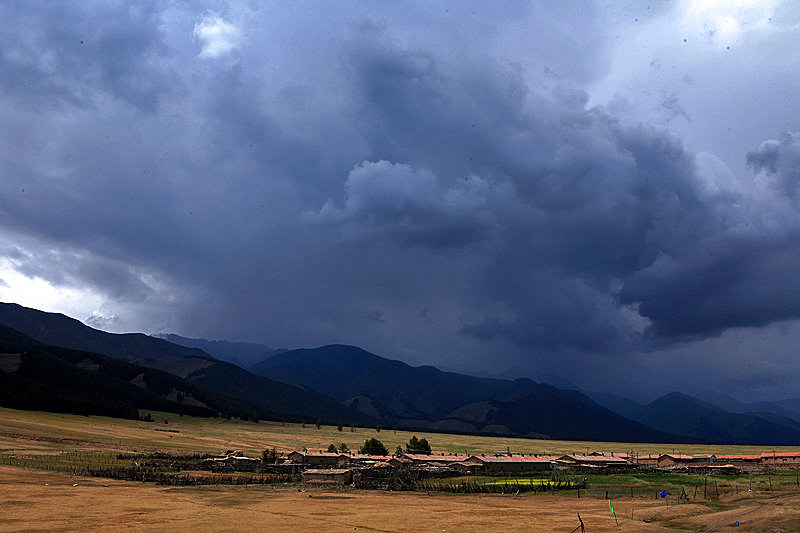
{"x": 42, "y": 501}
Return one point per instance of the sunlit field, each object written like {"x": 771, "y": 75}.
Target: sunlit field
{"x": 53, "y": 433}
{"x": 43, "y": 454}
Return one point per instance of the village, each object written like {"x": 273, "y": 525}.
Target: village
{"x": 345, "y": 468}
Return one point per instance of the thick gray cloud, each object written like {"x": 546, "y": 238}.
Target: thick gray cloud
{"x": 430, "y": 183}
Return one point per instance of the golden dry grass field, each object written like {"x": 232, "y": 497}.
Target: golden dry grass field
{"x": 40, "y": 500}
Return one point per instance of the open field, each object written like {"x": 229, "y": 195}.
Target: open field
{"x": 211, "y": 435}
{"x": 35, "y": 499}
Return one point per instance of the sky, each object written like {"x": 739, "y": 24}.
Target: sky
{"x": 608, "y": 191}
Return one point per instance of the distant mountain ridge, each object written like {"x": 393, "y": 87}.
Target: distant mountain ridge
{"x": 38, "y": 376}
{"x": 59, "y": 330}
{"x": 427, "y": 397}
{"x": 285, "y": 401}
{"x": 679, "y": 413}
{"x": 340, "y": 383}
{"x": 242, "y": 354}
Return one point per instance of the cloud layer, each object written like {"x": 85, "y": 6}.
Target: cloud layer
{"x": 430, "y": 183}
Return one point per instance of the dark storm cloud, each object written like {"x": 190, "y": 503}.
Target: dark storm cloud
{"x": 300, "y": 176}
{"x": 597, "y": 220}
{"x": 60, "y": 53}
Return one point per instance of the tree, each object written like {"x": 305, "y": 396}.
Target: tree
{"x": 331, "y": 448}
{"x": 344, "y": 448}
{"x": 378, "y": 428}
{"x": 399, "y": 451}
{"x": 319, "y": 423}
{"x": 269, "y": 456}
{"x": 373, "y": 447}
{"x": 419, "y": 446}
{"x": 339, "y": 426}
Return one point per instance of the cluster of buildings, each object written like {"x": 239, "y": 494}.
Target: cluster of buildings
{"x": 321, "y": 467}
{"x": 344, "y": 468}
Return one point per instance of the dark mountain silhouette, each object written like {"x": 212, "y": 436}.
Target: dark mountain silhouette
{"x": 783, "y": 408}
{"x": 346, "y": 384}
{"x": 343, "y": 372}
{"x": 427, "y": 397}
{"x": 50, "y": 378}
{"x": 682, "y": 414}
{"x": 283, "y": 401}
{"x": 243, "y": 354}
{"x": 59, "y": 330}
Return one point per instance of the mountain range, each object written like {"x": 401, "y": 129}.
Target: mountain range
{"x": 283, "y": 401}
{"x": 346, "y": 384}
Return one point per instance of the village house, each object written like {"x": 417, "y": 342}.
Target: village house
{"x": 611, "y": 454}
{"x": 368, "y": 460}
{"x": 673, "y": 459}
{"x": 433, "y": 459}
{"x": 400, "y": 461}
{"x": 504, "y": 463}
{"x": 232, "y": 457}
{"x": 318, "y": 458}
{"x": 704, "y": 458}
{"x": 646, "y": 460}
{"x": 590, "y": 461}
{"x": 739, "y": 460}
{"x": 328, "y": 476}
{"x": 779, "y": 459}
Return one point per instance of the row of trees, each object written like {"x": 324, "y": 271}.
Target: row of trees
{"x": 375, "y": 447}
{"x": 342, "y": 448}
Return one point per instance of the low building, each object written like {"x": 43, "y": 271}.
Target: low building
{"x": 739, "y": 460}
{"x": 620, "y": 455}
{"x": 591, "y": 461}
{"x": 673, "y": 459}
{"x": 318, "y": 458}
{"x": 368, "y": 460}
{"x": 781, "y": 459}
{"x": 232, "y": 457}
{"x": 328, "y": 476}
{"x": 647, "y": 460}
{"x": 434, "y": 459}
{"x": 491, "y": 464}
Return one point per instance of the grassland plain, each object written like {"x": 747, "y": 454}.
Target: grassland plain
{"x": 36, "y": 447}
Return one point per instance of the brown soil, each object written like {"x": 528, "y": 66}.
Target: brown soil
{"x": 41, "y": 501}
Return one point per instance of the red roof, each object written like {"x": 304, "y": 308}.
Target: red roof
{"x": 609, "y": 454}
{"x": 367, "y": 457}
{"x": 739, "y": 456}
{"x": 592, "y": 459}
{"x": 513, "y": 459}
{"x": 767, "y": 455}
{"x": 435, "y": 458}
